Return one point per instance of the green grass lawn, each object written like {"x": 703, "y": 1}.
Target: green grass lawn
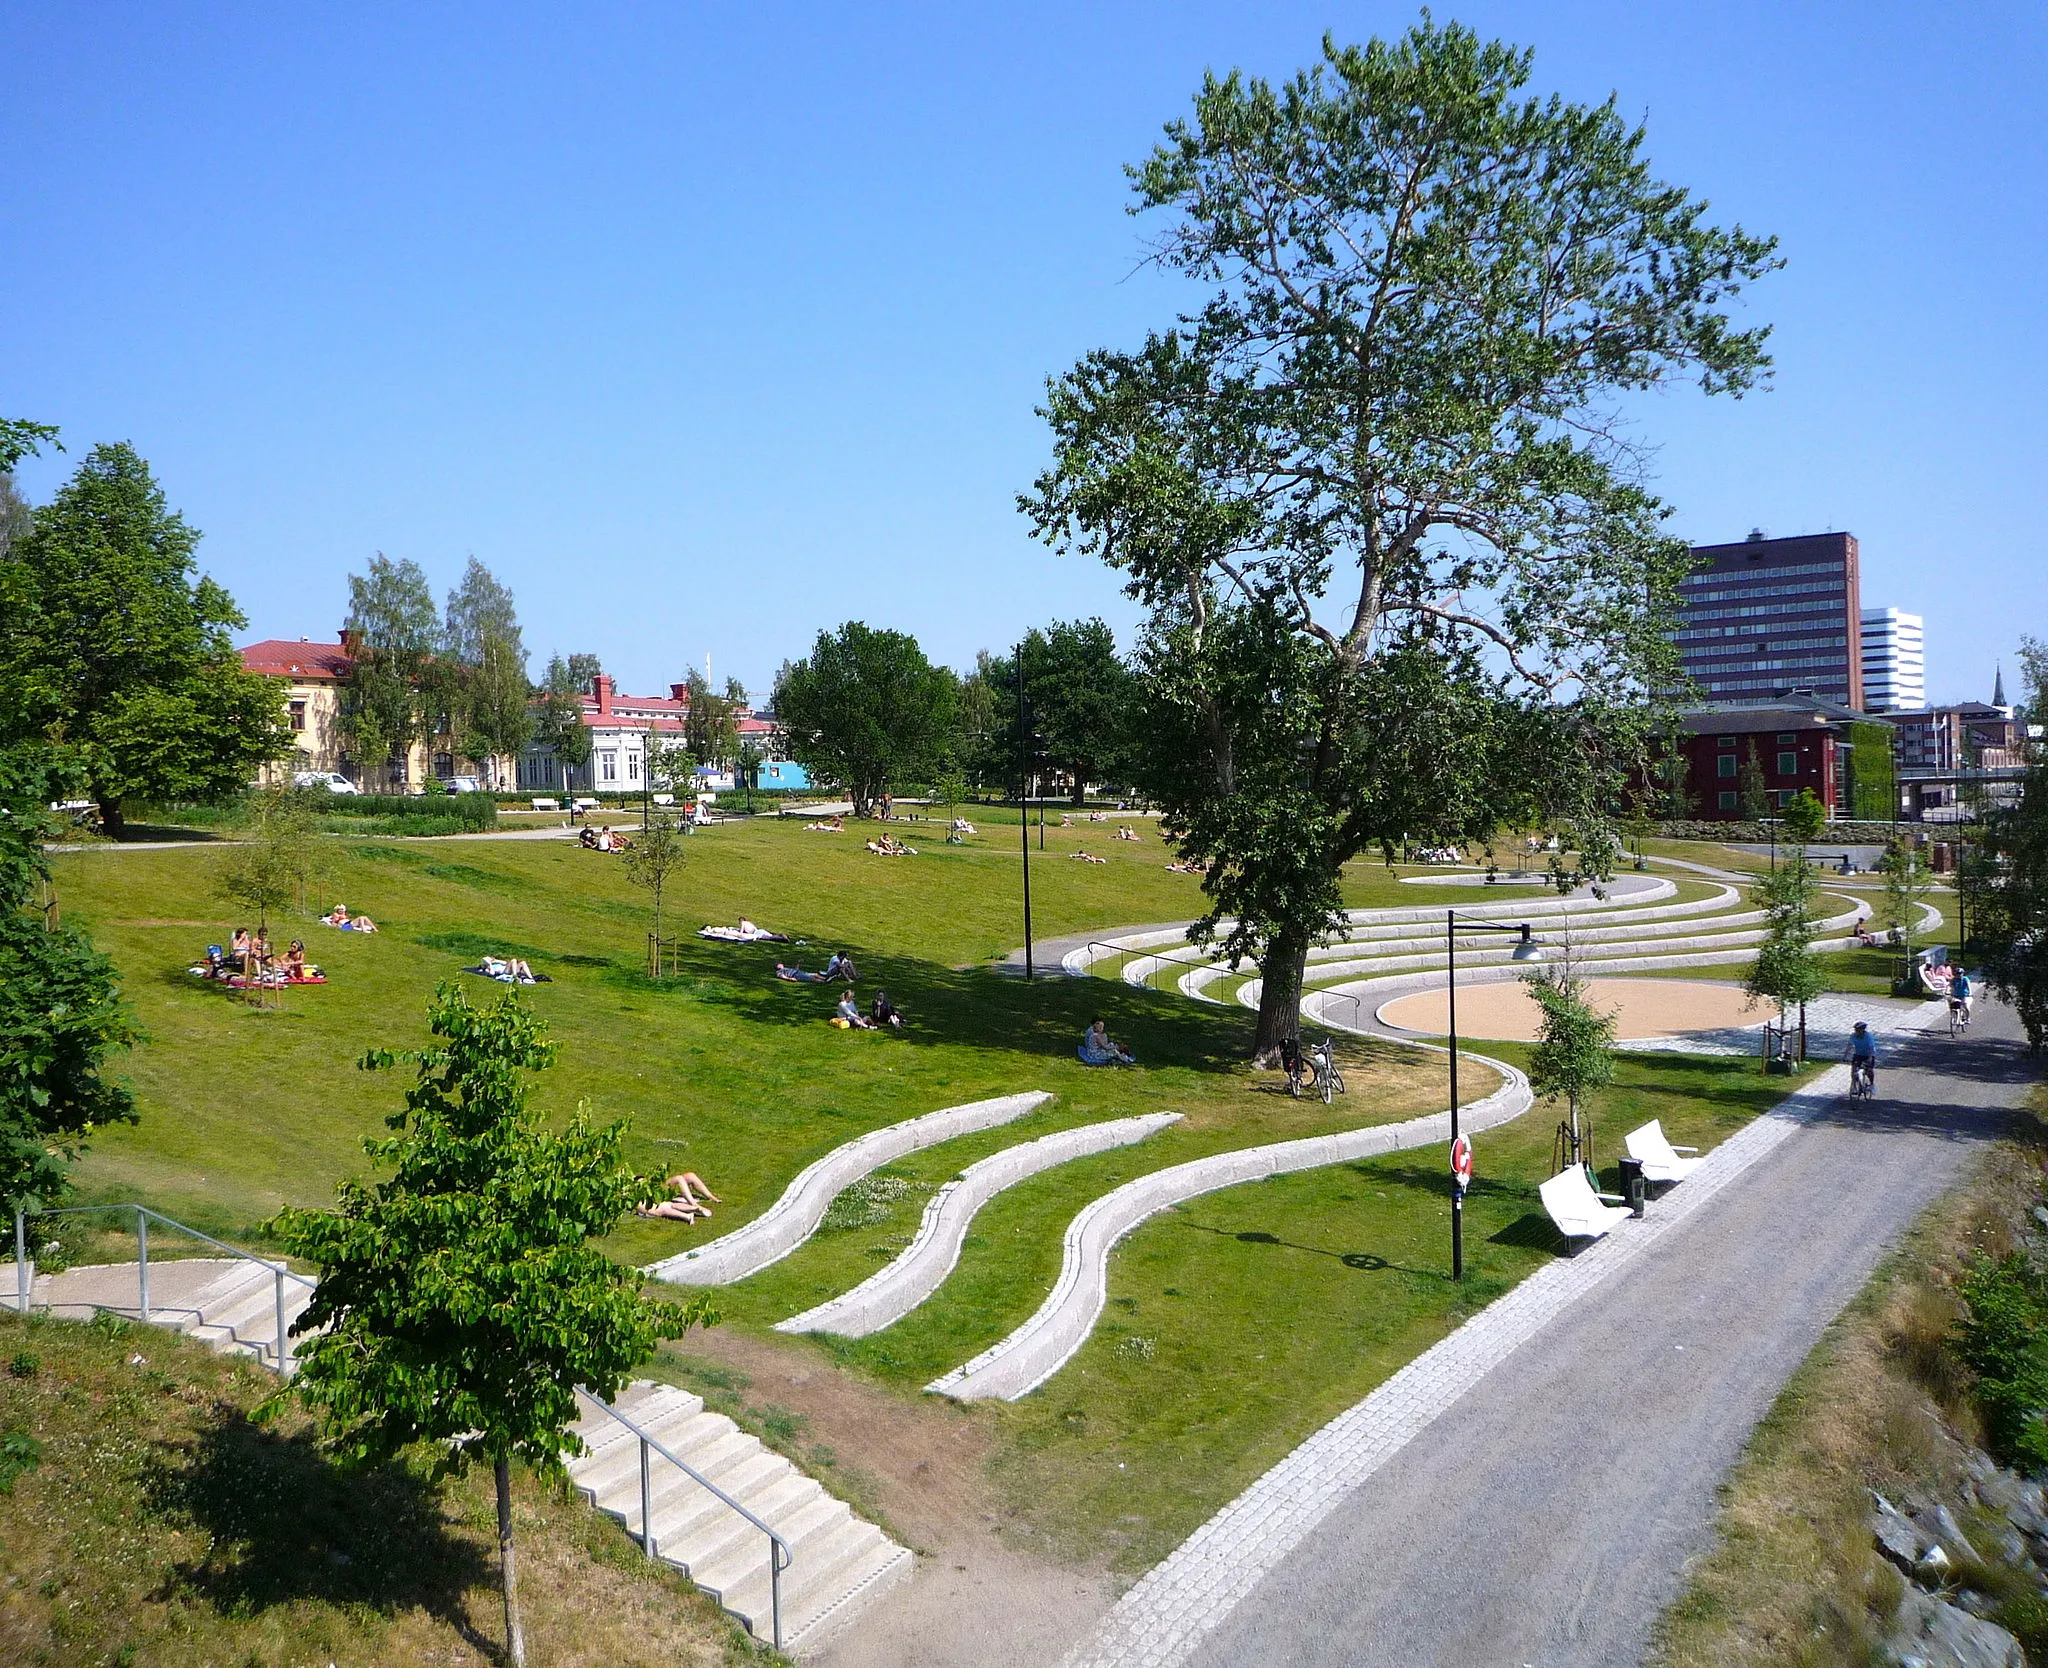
{"x": 1238, "y": 1323}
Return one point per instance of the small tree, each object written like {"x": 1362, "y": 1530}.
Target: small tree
{"x": 460, "y": 1302}
{"x": 1573, "y": 1055}
{"x": 61, "y": 1013}
{"x": 558, "y": 724}
{"x": 1756, "y": 798}
{"x": 650, "y": 860}
{"x": 1805, "y": 817}
{"x": 280, "y": 856}
{"x": 1906, "y": 884}
{"x": 1786, "y": 969}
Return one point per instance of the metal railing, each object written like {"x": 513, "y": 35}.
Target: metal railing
{"x": 143, "y": 1217}
{"x": 779, "y": 1555}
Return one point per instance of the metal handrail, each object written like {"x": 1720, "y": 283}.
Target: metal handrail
{"x": 143, "y": 1216}
{"x": 779, "y": 1556}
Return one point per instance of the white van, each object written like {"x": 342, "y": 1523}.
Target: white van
{"x": 332, "y": 780}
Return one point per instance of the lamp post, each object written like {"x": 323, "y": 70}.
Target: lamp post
{"x": 1526, "y": 950}
{"x": 1023, "y": 807}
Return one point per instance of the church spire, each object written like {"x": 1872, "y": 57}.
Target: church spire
{"x": 1998, "y": 686}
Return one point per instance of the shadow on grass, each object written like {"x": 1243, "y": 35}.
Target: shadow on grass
{"x": 1365, "y": 1262}
{"x": 1532, "y": 1231}
{"x": 284, "y": 1524}
{"x": 970, "y": 1007}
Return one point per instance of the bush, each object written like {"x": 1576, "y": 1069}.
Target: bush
{"x": 468, "y": 812}
{"x": 2004, "y": 1340}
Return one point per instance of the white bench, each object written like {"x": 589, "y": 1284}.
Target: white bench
{"x": 584, "y": 803}
{"x": 1661, "y": 1161}
{"x": 664, "y": 799}
{"x": 547, "y": 804}
{"x": 1578, "y": 1211}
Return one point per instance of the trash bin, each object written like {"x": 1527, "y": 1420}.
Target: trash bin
{"x": 1633, "y": 1187}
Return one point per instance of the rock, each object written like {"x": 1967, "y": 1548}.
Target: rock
{"x": 1897, "y": 1539}
{"x": 2041, "y": 1215}
{"x": 1941, "y": 1635}
{"x": 1938, "y": 1524}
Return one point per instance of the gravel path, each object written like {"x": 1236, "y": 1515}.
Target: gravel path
{"x": 1548, "y": 1516}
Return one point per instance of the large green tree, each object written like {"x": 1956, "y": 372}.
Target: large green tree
{"x": 393, "y": 633}
{"x": 2005, "y": 873}
{"x": 485, "y": 656}
{"x": 460, "y": 1300}
{"x": 1083, "y": 701}
{"x": 61, "y": 1014}
{"x": 109, "y": 640}
{"x": 867, "y": 710}
{"x": 1378, "y": 460}
{"x": 711, "y": 726}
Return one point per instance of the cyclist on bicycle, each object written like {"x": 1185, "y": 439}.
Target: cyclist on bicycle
{"x": 1863, "y": 1055}
{"x": 1959, "y": 992}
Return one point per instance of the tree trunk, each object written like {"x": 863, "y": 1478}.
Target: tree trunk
{"x": 515, "y": 1637}
{"x": 112, "y": 823}
{"x": 1080, "y": 788}
{"x": 1280, "y": 974}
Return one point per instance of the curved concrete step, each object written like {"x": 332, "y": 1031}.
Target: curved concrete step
{"x": 1047, "y": 1341}
{"x": 795, "y": 1216}
{"x": 887, "y": 1296}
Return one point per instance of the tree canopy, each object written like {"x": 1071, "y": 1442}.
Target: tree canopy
{"x": 61, "y": 1014}
{"x": 867, "y": 710}
{"x": 394, "y": 628}
{"x": 109, "y": 640}
{"x": 1378, "y": 460}
{"x": 1083, "y": 700}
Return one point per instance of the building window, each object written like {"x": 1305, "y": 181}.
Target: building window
{"x": 298, "y": 712}
{"x": 632, "y": 767}
{"x": 608, "y": 766}
{"x": 1788, "y": 764}
{"x": 1728, "y": 798}
{"x": 1726, "y": 764}
{"x": 1788, "y": 741}
{"x": 1727, "y": 741}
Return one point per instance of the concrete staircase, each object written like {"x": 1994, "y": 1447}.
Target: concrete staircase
{"x": 837, "y": 1561}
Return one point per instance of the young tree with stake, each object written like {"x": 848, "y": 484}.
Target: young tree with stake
{"x": 1403, "y": 578}
{"x": 461, "y": 1301}
{"x": 650, "y": 860}
{"x": 1574, "y": 1054}
{"x": 1786, "y": 970}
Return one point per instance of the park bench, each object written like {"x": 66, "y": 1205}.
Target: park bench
{"x": 1578, "y": 1211}
{"x": 664, "y": 799}
{"x": 547, "y": 804}
{"x": 1661, "y": 1161}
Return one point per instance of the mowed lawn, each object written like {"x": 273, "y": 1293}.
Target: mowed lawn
{"x": 1238, "y": 1323}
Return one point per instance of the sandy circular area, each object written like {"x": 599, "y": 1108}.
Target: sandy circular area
{"x": 1504, "y": 1011}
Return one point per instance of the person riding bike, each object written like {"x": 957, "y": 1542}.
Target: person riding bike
{"x": 1959, "y": 992}
{"x": 1863, "y": 1056}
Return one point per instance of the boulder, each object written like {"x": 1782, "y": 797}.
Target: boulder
{"x": 1897, "y": 1539}
{"x": 1930, "y": 1633}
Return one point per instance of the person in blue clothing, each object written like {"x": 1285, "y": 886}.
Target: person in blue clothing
{"x": 1959, "y": 992}
{"x": 1863, "y": 1055}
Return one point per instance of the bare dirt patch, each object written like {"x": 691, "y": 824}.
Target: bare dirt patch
{"x": 921, "y": 1467}
{"x": 1642, "y": 1008}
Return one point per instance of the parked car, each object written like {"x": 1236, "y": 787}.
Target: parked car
{"x": 463, "y": 784}
{"x": 332, "y": 780}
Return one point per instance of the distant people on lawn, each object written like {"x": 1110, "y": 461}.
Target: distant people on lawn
{"x": 683, "y": 1204}
{"x": 884, "y": 1012}
{"x": 339, "y": 916}
{"x": 1085, "y": 857}
{"x": 1098, "y": 1048}
{"x": 887, "y": 845}
{"x": 849, "y": 1017}
{"x": 840, "y": 967}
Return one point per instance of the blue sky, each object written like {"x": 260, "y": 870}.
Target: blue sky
{"x": 708, "y": 327}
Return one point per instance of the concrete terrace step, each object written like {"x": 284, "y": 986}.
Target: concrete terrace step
{"x": 838, "y": 1560}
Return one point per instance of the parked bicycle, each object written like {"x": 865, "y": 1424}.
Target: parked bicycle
{"x": 1312, "y": 1073}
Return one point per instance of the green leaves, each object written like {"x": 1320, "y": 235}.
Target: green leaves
{"x": 866, "y": 709}
{"x": 462, "y": 1300}
{"x": 1786, "y": 969}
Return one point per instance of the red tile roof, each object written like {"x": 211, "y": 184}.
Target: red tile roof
{"x": 278, "y": 657}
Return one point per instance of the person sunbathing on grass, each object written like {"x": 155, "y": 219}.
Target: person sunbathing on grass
{"x": 885, "y": 1013}
{"x": 797, "y": 976}
{"x": 238, "y": 945}
{"x": 1084, "y": 857}
{"x": 1098, "y": 1049}
{"x": 832, "y": 825}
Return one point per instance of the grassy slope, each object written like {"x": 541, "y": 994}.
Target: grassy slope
{"x": 162, "y": 1527}
{"x": 1217, "y": 1355}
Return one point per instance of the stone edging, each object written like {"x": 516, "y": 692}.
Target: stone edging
{"x": 795, "y": 1216}
{"x": 1162, "y": 1621}
{"x": 888, "y": 1295}
{"x": 1046, "y": 1342}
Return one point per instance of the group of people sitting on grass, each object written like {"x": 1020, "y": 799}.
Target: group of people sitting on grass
{"x": 339, "y": 916}
{"x": 1098, "y": 1048}
{"x": 839, "y": 967}
{"x": 249, "y": 959}
{"x": 686, "y": 1200}
{"x": 882, "y": 1014}
{"x": 1127, "y": 832}
{"x": 603, "y": 839}
{"x": 886, "y": 845}
{"x": 1868, "y": 940}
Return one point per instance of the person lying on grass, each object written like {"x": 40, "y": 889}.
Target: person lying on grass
{"x": 339, "y": 916}
{"x": 849, "y": 1017}
{"x": 888, "y": 845}
{"x": 797, "y": 975}
{"x": 1098, "y": 1049}
{"x": 683, "y": 1204}
{"x": 509, "y": 970}
{"x": 832, "y": 825}
{"x": 1085, "y": 857}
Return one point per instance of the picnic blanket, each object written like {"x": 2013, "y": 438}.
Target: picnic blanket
{"x": 740, "y": 935}
{"x": 241, "y": 981}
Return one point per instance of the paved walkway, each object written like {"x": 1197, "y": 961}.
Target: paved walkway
{"x": 1530, "y": 1491}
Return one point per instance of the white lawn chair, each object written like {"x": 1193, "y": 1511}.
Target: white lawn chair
{"x": 1659, "y": 1158}
{"x": 1578, "y": 1211}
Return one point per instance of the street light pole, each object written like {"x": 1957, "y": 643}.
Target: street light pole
{"x": 1527, "y": 950}
{"x": 1023, "y": 815}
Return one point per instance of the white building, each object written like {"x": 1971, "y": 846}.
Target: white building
{"x": 1894, "y": 661}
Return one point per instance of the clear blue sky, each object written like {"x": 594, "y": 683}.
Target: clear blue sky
{"x": 707, "y": 327}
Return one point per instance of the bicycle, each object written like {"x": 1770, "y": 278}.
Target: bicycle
{"x": 1958, "y": 1018}
{"x": 1315, "y": 1071}
{"x": 1862, "y": 1079}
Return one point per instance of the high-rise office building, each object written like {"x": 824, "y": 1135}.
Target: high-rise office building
{"x": 1894, "y": 661}
{"x": 1767, "y": 616}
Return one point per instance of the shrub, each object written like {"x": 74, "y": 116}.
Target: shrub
{"x": 2004, "y": 1340}
{"x": 469, "y": 810}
